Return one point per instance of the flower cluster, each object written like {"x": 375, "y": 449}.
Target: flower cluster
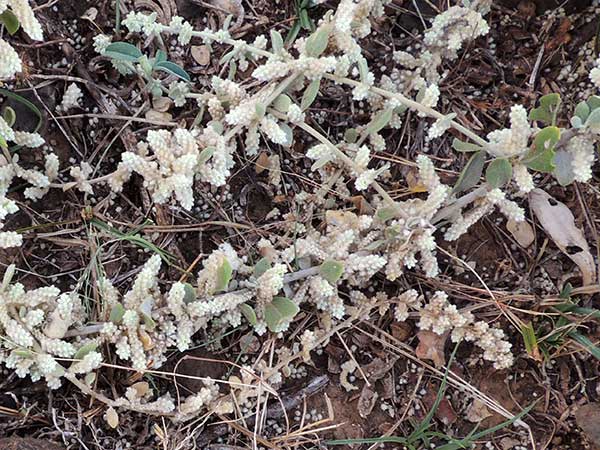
{"x": 10, "y": 62}
{"x": 439, "y": 316}
{"x": 11, "y": 169}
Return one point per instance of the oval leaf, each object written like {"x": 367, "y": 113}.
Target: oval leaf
{"x": 276, "y": 41}
{"x": 331, "y": 270}
{"x": 380, "y": 121}
{"x": 173, "y": 69}
{"x": 224, "y": 276}
{"x": 499, "y": 172}
{"x": 282, "y": 103}
{"x": 317, "y": 42}
{"x": 541, "y": 157}
{"x": 471, "y": 174}
{"x": 310, "y": 94}
{"x": 190, "y": 293}
{"x": 563, "y": 170}
{"x": 85, "y": 350}
{"x": 249, "y": 314}
{"x": 112, "y": 418}
{"x": 9, "y": 115}
{"x": 206, "y": 154}
{"x": 465, "y": 147}
{"x": 116, "y": 313}
{"x": 10, "y": 21}
{"x": 123, "y": 51}
{"x": 279, "y": 311}
{"x": 547, "y": 110}
{"x": 261, "y": 267}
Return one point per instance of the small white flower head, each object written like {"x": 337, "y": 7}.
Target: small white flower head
{"x": 510, "y": 209}
{"x": 10, "y": 239}
{"x": 177, "y": 92}
{"x": 26, "y": 139}
{"x": 430, "y": 97}
{"x": 594, "y": 74}
{"x": 511, "y": 141}
{"x": 582, "y": 151}
{"x": 10, "y": 63}
{"x": 22, "y": 9}
{"x": 71, "y": 98}
{"x": 101, "y": 41}
{"x": 523, "y": 178}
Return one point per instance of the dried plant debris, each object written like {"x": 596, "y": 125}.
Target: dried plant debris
{"x": 305, "y": 224}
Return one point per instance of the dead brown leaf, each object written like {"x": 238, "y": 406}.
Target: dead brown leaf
{"x": 262, "y": 163}
{"x": 558, "y": 221}
{"x": 522, "y": 232}
{"x": 366, "y": 401}
{"x": 431, "y": 346}
{"x": 201, "y": 54}
{"x": 588, "y": 419}
{"x": 477, "y": 412}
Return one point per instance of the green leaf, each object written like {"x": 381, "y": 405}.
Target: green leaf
{"x": 310, "y": 94}
{"x": 276, "y": 41}
{"x": 351, "y": 135}
{"x": 317, "y": 42}
{"x": 206, "y": 154}
{"x": 85, "y": 350}
{"x": 594, "y": 118}
{"x": 282, "y": 103}
{"x": 289, "y": 134}
{"x": 190, "y": 293}
{"x": 145, "y": 311}
{"x": 123, "y": 51}
{"x": 224, "y": 276}
{"x": 293, "y": 33}
{"x": 249, "y": 314}
{"x": 173, "y": 69}
{"x": 593, "y": 102}
{"x": 582, "y": 110}
{"x": 9, "y": 115}
{"x": 547, "y": 110}
{"x": 471, "y": 174}
{"x": 10, "y": 21}
{"x": 331, "y": 270}
{"x": 305, "y": 20}
{"x": 380, "y": 121}
{"x": 563, "y": 170}
{"x": 465, "y": 147}
{"x": 320, "y": 163}
{"x": 387, "y": 213}
{"x": 3, "y": 142}
{"x": 260, "y": 110}
{"x": 546, "y": 138}
{"x": 363, "y": 68}
{"x": 116, "y": 313}
{"x": 498, "y": 172}
{"x": 279, "y": 311}
{"x": 261, "y": 267}
{"x": 585, "y": 343}
{"x": 24, "y": 353}
{"x": 541, "y": 157}
{"x": 576, "y": 122}
{"x": 160, "y": 57}
{"x": 530, "y": 341}
{"x": 566, "y": 291}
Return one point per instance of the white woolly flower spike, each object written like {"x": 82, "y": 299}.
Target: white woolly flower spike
{"x": 22, "y": 9}
{"x": 71, "y": 98}
{"x": 10, "y": 63}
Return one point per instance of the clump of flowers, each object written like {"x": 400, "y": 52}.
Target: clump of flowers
{"x": 10, "y": 61}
